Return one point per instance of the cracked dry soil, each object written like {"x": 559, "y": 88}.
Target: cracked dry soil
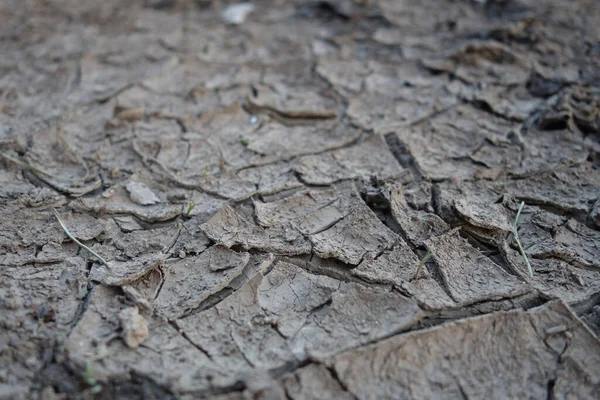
{"x": 264, "y": 193}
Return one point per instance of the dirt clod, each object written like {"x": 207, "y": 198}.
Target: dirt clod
{"x": 135, "y": 327}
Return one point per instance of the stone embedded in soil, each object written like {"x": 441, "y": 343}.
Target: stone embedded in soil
{"x": 460, "y": 360}
{"x": 469, "y": 275}
{"x": 192, "y": 280}
{"x": 363, "y": 160}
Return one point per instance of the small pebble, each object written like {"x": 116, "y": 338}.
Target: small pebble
{"x": 568, "y": 335}
{"x": 182, "y": 254}
{"x": 236, "y": 14}
{"x": 135, "y": 327}
{"x": 96, "y": 389}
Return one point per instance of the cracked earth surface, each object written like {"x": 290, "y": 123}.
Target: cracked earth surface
{"x": 264, "y": 193}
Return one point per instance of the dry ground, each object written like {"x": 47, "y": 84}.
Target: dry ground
{"x": 263, "y": 195}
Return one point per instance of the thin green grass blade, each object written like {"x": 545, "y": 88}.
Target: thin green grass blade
{"x": 83, "y": 246}
{"x": 422, "y": 263}
{"x": 516, "y": 233}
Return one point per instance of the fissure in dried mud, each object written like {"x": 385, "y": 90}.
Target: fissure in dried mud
{"x": 265, "y": 179}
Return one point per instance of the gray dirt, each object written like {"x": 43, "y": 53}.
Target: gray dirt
{"x": 263, "y": 194}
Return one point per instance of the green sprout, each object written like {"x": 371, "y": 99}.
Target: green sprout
{"x": 516, "y": 234}
{"x": 88, "y": 378}
{"x": 426, "y": 258}
{"x": 88, "y": 375}
{"x": 190, "y": 207}
{"x": 244, "y": 141}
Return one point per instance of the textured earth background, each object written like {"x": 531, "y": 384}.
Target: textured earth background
{"x": 264, "y": 193}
